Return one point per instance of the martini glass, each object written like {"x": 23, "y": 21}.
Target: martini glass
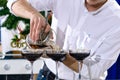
{"x": 79, "y": 55}
{"x": 82, "y": 50}
{"x": 56, "y": 55}
{"x": 32, "y": 55}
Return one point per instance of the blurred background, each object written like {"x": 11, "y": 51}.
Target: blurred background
{"x": 113, "y": 72}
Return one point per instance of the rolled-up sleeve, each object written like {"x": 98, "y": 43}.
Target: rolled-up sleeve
{"x": 9, "y": 5}
{"x": 42, "y": 5}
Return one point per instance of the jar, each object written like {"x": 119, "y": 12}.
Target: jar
{"x": 41, "y": 42}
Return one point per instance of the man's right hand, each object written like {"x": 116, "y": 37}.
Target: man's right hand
{"x": 37, "y": 23}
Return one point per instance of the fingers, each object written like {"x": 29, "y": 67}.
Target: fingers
{"x": 37, "y": 30}
{"x": 35, "y": 26}
{"x": 51, "y": 35}
{"x": 47, "y": 28}
{"x": 37, "y": 23}
{"x": 31, "y": 27}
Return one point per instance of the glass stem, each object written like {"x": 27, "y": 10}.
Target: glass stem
{"x": 31, "y": 77}
{"x": 6, "y": 77}
{"x": 56, "y": 78}
{"x": 79, "y": 70}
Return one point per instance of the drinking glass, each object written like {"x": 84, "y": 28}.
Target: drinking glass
{"x": 56, "y": 55}
{"x": 31, "y": 55}
{"x": 79, "y": 55}
{"x": 81, "y": 51}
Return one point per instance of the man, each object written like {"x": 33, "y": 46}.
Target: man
{"x": 98, "y": 18}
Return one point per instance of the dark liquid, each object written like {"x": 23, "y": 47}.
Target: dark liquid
{"x": 37, "y": 46}
{"x": 56, "y": 57}
{"x": 79, "y": 56}
{"x": 31, "y": 56}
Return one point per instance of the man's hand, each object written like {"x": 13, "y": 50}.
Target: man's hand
{"x": 38, "y": 23}
{"x": 71, "y": 63}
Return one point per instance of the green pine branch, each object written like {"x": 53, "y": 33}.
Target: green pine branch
{"x": 4, "y": 11}
{"x": 11, "y": 20}
{"x": 3, "y": 3}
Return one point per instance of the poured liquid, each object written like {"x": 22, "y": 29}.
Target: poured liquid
{"x": 56, "y": 57}
{"x": 79, "y": 55}
{"x": 31, "y": 56}
{"x": 37, "y": 46}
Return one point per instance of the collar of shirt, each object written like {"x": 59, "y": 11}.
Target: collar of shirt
{"x": 98, "y": 10}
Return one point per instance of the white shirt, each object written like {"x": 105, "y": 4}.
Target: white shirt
{"x": 71, "y": 19}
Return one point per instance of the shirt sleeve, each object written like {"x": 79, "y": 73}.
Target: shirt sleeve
{"x": 9, "y": 5}
{"x": 109, "y": 50}
{"x": 42, "y": 5}
{"x": 111, "y": 47}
